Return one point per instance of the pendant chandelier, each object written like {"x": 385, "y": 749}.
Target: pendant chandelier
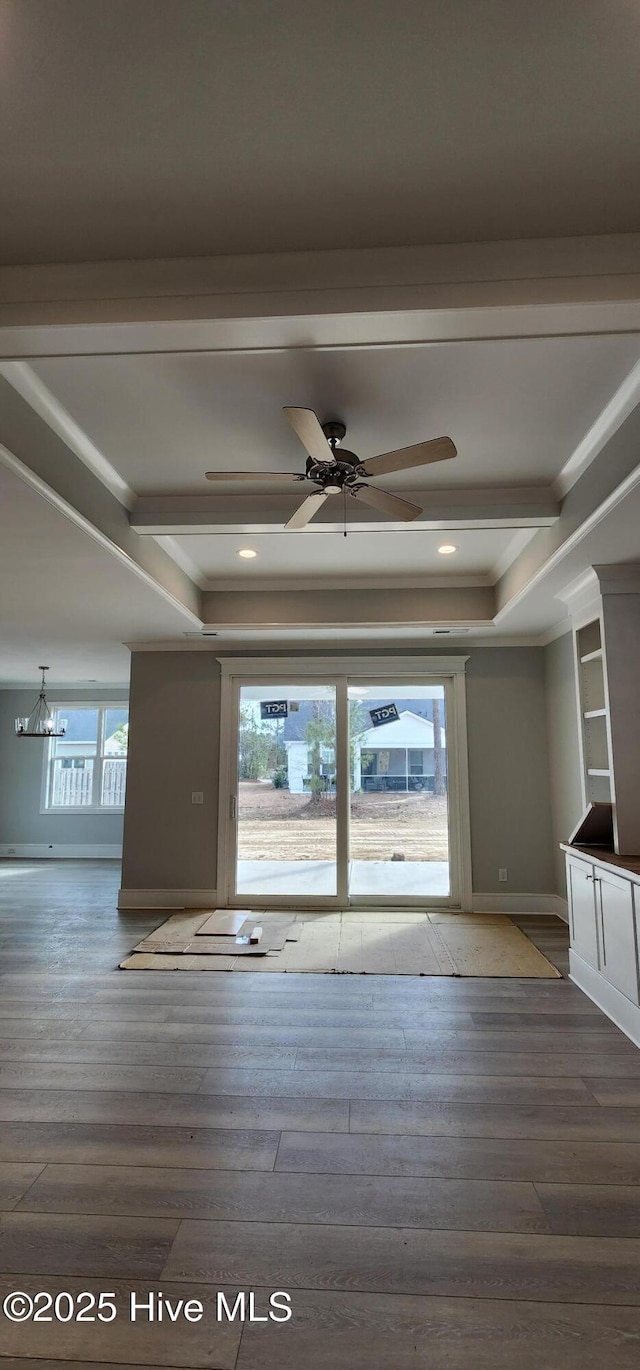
{"x": 41, "y": 722}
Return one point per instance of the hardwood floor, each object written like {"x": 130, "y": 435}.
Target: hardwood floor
{"x": 442, "y": 1173}
{"x": 550, "y": 936}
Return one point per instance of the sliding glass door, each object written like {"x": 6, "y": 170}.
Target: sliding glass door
{"x": 342, "y": 790}
{"x": 399, "y": 805}
{"x": 286, "y": 830}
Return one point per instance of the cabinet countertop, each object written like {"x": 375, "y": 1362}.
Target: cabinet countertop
{"x": 600, "y": 856}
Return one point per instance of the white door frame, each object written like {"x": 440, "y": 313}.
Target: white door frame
{"x": 296, "y": 670}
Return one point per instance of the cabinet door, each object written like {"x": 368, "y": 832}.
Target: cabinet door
{"x": 582, "y": 910}
{"x": 618, "y": 934}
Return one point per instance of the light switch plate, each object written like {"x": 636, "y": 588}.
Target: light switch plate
{"x": 197, "y": 797}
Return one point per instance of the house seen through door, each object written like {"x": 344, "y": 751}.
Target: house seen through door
{"x": 341, "y": 792}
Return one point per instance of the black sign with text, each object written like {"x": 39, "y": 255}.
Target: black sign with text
{"x": 274, "y": 708}
{"x": 387, "y": 713}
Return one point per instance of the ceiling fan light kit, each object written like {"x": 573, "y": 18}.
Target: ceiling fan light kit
{"x": 334, "y": 470}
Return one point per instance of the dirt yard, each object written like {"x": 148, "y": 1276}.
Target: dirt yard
{"x": 275, "y": 823}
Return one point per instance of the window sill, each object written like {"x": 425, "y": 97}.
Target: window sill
{"x": 90, "y": 812}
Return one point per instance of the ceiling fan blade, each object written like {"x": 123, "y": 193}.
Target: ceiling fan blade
{"x": 307, "y": 426}
{"x": 252, "y": 475}
{"x": 439, "y": 449}
{"x": 305, "y": 512}
{"x": 389, "y": 504}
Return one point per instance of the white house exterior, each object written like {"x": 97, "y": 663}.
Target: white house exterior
{"x": 297, "y": 765}
{"x": 396, "y": 756}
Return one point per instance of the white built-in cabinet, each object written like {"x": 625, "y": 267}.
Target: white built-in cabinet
{"x": 603, "y": 882}
{"x": 604, "y": 925}
{"x": 583, "y": 925}
{"x": 616, "y": 897}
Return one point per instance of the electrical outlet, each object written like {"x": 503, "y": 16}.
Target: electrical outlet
{"x": 503, "y": 873}
{"x": 197, "y": 797}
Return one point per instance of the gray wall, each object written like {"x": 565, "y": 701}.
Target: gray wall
{"x": 21, "y": 762}
{"x": 564, "y": 755}
{"x": 174, "y": 725}
{"x": 509, "y": 770}
{"x": 171, "y": 844}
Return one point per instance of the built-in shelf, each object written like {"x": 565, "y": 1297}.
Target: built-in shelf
{"x": 592, "y": 703}
{"x": 605, "y": 607}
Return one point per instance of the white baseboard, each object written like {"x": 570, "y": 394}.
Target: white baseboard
{"x": 208, "y": 899}
{"x": 617, "y": 1007}
{"x": 520, "y": 903}
{"x": 167, "y": 899}
{"x": 204, "y": 899}
{"x": 58, "y": 851}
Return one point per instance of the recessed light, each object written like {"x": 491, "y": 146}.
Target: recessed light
{"x": 446, "y": 549}
{"x": 247, "y": 552}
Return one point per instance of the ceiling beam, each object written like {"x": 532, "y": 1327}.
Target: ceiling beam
{"x": 510, "y": 507}
{"x": 605, "y": 483}
{"x": 33, "y": 451}
{"x": 468, "y": 606}
{"x": 373, "y": 297}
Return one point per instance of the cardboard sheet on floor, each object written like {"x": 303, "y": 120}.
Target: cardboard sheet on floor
{"x": 155, "y": 962}
{"x": 279, "y": 927}
{"x": 222, "y": 923}
{"x": 183, "y": 924}
{"x": 191, "y": 923}
{"x": 439, "y": 944}
{"x": 276, "y": 927}
{"x": 203, "y": 946}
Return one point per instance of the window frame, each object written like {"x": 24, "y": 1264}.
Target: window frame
{"x": 98, "y": 759}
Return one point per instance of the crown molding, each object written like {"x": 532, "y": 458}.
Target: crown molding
{"x": 620, "y": 579}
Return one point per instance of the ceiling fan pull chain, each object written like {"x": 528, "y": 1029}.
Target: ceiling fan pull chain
{"x": 344, "y": 509}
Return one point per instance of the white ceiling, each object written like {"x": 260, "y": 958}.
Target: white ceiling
{"x": 362, "y": 557}
{"x": 64, "y": 600}
{"x": 515, "y": 410}
{"x": 240, "y": 126}
{"x": 143, "y": 129}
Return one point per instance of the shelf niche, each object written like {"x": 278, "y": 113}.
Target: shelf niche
{"x": 594, "y": 714}
{"x": 605, "y": 609}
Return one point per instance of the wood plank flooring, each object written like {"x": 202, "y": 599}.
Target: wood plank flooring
{"x": 443, "y": 1173}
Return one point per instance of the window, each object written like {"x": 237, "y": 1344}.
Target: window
{"x": 85, "y": 771}
{"x": 416, "y": 763}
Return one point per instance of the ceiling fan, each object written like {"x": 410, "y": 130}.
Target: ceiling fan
{"x": 335, "y": 471}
